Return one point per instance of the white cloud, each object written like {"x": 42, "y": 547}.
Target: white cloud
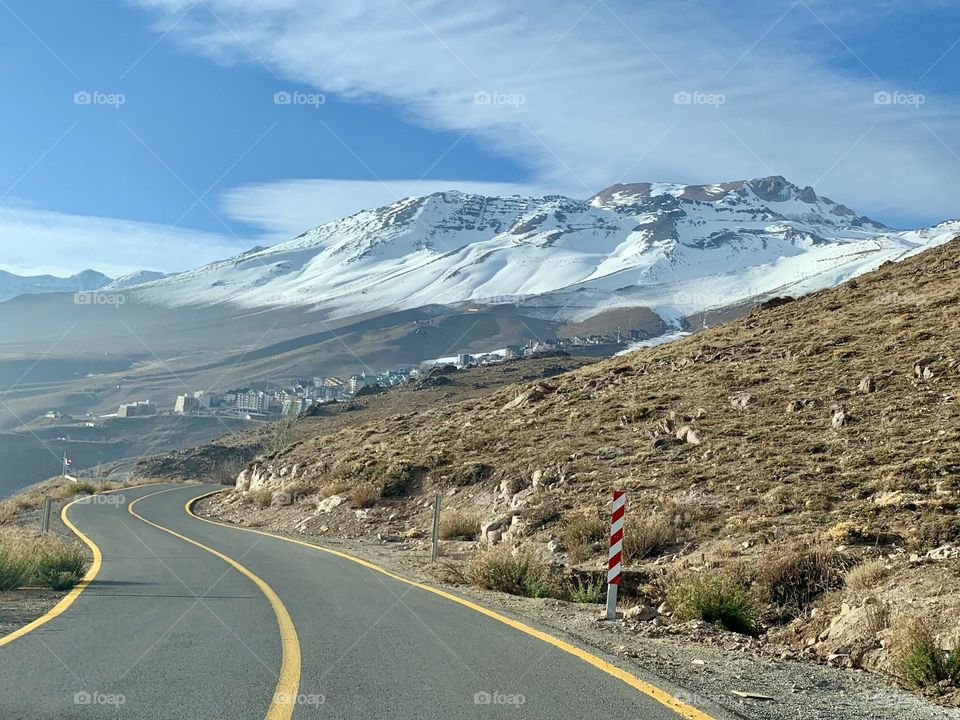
{"x": 70, "y": 243}
{"x": 593, "y": 86}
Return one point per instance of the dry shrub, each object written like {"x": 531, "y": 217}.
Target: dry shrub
{"x": 791, "y": 581}
{"x": 459, "y": 525}
{"x": 581, "y": 532}
{"x": 645, "y": 537}
{"x": 261, "y": 498}
{"x": 497, "y": 568}
{"x": 866, "y": 575}
{"x": 539, "y": 515}
{"x": 58, "y": 563}
{"x": 336, "y": 487}
{"x": 16, "y": 563}
{"x": 365, "y": 495}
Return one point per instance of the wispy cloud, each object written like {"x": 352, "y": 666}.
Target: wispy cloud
{"x": 580, "y": 89}
{"x": 70, "y": 243}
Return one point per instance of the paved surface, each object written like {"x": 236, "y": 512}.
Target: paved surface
{"x": 168, "y": 630}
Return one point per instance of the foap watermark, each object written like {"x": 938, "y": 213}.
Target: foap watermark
{"x": 895, "y": 97}
{"x": 306, "y": 699}
{"x": 499, "y": 98}
{"x": 895, "y": 298}
{"x": 99, "y": 298}
{"x": 114, "y": 499}
{"x": 285, "y": 97}
{"x": 696, "y": 97}
{"x": 95, "y": 97}
{"x": 82, "y": 697}
{"x": 498, "y": 698}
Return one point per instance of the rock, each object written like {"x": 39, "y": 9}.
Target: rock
{"x": 643, "y": 613}
{"x": 698, "y": 662}
{"x": 867, "y": 385}
{"x": 528, "y": 396}
{"x": 363, "y": 514}
{"x": 553, "y": 547}
{"x": 491, "y": 531}
{"x": 944, "y": 552}
{"x": 689, "y": 435}
{"x": 334, "y": 501}
{"x": 661, "y": 443}
{"x": 664, "y": 609}
{"x": 740, "y": 400}
{"x": 839, "y": 418}
{"x": 923, "y": 368}
{"x": 413, "y": 533}
{"x": 281, "y": 499}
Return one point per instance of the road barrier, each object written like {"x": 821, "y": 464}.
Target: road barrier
{"x": 616, "y": 552}
{"x": 436, "y": 528}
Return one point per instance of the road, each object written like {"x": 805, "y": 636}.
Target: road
{"x": 190, "y": 619}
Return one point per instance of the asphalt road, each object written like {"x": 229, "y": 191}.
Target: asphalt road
{"x": 194, "y": 620}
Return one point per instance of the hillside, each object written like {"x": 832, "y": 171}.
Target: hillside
{"x": 811, "y": 438}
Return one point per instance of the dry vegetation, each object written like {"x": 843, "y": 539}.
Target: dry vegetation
{"x": 794, "y": 473}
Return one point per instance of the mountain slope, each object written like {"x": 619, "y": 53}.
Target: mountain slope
{"x": 782, "y": 448}
{"x": 12, "y": 286}
{"x": 677, "y": 249}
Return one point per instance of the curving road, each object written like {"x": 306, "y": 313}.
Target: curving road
{"x": 191, "y": 619}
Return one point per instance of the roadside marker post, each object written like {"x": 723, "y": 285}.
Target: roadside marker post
{"x": 436, "y": 527}
{"x": 616, "y": 552}
{"x": 45, "y": 522}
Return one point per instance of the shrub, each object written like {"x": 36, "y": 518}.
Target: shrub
{"x": 792, "y": 581}
{"x": 540, "y": 515}
{"x": 457, "y": 524}
{"x": 865, "y": 575}
{"x": 365, "y": 495}
{"x": 714, "y": 598}
{"x": 400, "y": 477}
{"x": 498, "y": 569}
{"x": 83, "y": 486}
{"x": 262, "y": 497}
{"x": 60, "y": 564}
{"x": 581, "y": 531}
{"x": 583, "y": 589}
{"x": 16, "y": 566}
{"x": 645, "y": 537}
{"x": 922, "y": 663}
{"x": 470, "y": 474}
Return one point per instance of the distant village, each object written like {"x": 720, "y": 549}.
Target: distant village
{"x": 270, "y": 401}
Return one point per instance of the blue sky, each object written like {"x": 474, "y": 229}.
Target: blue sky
{"x": 183, "y": 156}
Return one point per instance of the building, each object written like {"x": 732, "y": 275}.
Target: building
{"x": 186, "y": 404}
{"x": 253, "y": 401}
{"x": 140, "y": 408}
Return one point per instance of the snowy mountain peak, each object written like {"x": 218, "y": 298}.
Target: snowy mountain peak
{"x": 629, "y": 245}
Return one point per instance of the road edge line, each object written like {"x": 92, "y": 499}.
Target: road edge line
{"x": 689, "y": 712}
{"x": 283, "y": 702}
{"x": 71, "y": 597}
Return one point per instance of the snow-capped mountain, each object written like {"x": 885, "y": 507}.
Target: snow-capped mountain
{"x": 678, "y": 249}
{"x": 132, "y": 279}
{"x": 13, "y": 285}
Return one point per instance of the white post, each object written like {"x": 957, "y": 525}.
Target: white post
{"x": 436, "y": 527}
{"x": 616, "y": 552}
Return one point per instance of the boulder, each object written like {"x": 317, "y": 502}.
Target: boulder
{"x": 644, "y": 613}
{"x": 867, "y": 385}
{"x": 740, "y": 400}
{"x": 923, "y": 368}
{"x": 688, "y": 434}
{"x": 839, "y": 417}
{"x": 491, "y": 531}
{"x": 328, "y": 504}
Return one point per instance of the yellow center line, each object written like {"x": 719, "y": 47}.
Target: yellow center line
{"x": 284, "y": 699}
{"x": 71, "y": 597}
{"x": 678, "y": 706}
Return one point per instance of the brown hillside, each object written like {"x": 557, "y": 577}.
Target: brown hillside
{"x": 828, "y": 422}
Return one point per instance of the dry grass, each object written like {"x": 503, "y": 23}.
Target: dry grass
{"x": 790, "y": 581}
{"x": 646, "y": 537}
{"x": 497, "y": 568}
{"x": 27, "y": 557}
{"x": 261, "y": 498}
{"x": 365, "y": 495}
{"x": 866, "y": 575}
{"x": 582, "y": 532}
{"x": 459, "y": 525}
{"x": 715, "y": 598}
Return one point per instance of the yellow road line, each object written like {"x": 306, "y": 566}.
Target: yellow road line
{"x": 284, "y": 699}
{"x": 71, "y": 597}
{"x": 683, "y": 709}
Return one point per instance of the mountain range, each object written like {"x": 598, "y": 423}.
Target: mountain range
{"x": 12, "y": 285}
{"x": 676, "y": 249}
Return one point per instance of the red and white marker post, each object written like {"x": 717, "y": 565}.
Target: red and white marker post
{"x": 616, "y": 552}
